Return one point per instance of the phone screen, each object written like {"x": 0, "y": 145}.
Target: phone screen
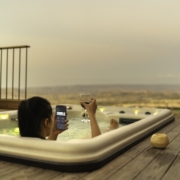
{"x": 60, "y": 117}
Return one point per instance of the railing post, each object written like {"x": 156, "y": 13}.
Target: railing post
{"x": 0, "y": 73}
{"x": 7, "y": 75}
{"x": 26, "y": 73}
{"x": 13, "y": 75}
{"x": 19, "y": 73}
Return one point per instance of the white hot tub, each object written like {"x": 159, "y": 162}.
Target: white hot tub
{"x": 81, "y": 153}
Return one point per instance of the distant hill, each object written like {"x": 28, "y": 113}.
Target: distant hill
{"x": 104, "y": 88}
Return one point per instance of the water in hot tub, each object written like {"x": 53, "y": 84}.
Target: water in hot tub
{"x": 77, "y": 129}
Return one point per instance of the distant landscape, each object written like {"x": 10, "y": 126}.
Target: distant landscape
{"x": 159, "y": 96}
{"x": 120, "y": 95}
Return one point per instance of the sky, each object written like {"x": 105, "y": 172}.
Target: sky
{"x": 95, "y": 41}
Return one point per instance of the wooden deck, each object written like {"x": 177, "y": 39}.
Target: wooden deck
{"x": 140, "y": 162}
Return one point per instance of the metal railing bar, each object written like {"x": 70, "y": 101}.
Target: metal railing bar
{"x": 7, "y": 75}
{"x": 19, "y": 73}
{"x": 15, "y": 47}
{"x": 26, "y": 73}
{"x": 13, "y": 75}
{"x": 1, "y": 74}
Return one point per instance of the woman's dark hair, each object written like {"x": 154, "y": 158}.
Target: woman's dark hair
{"x": 31, "y": 113}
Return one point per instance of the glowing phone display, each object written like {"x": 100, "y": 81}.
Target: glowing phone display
{"x": 60, "y": 117}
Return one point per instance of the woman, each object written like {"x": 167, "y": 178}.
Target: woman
{"x": 35, "y": 119}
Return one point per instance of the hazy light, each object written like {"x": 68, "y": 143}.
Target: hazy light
{"x": 4, "y": 116}
{"x": 16, "y": 130}
{"x": 156, "y": 113}
{"x": 101, "y": 109}
{"x": 136, "y": 112}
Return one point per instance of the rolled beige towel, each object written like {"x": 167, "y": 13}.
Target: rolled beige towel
{"x": 159, "y": 140}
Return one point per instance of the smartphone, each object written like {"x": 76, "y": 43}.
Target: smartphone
{"x": 60, "y": 117}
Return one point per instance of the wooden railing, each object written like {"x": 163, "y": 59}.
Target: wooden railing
{"x": 13, "y": 61}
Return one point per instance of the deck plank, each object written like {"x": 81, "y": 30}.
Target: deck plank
{"x": 68, "y": 176}
{"x": 9, "y": 168}
{"x": 45, "y": 174}
{"x": 173, "y": 172}
{"x": 131, "y": 170}
{"x": 2, "y": 164}
{"x": 30, "y": 173}
{"x": 160, "y": 165}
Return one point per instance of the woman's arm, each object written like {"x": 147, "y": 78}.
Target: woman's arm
{"x": 91, "y": 109}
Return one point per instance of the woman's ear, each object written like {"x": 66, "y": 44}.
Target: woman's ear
{"x": 46, "y": 122}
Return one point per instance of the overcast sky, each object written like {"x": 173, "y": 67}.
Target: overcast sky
{"x": 95, "y": 41}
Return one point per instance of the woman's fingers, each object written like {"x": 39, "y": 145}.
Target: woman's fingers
{"x": 67, "y": 124}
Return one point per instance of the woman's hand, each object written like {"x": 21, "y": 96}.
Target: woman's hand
{"x": 54, "y": 131}
{"x": 58, "y": 131}
{"x": 91, "y": 107}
